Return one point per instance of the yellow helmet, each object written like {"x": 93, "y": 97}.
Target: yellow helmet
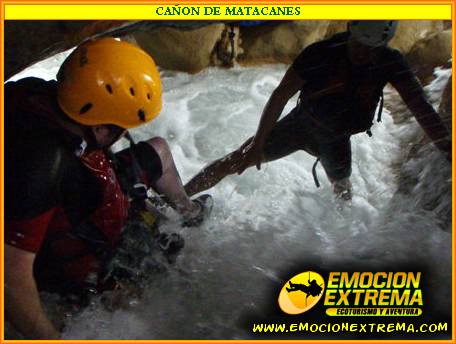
{"x": 108, "y": 81}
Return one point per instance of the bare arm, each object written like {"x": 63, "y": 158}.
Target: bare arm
{"x": 22, "y": 301}
{"x": 413, "y": 95}
{"x": 291, "y": 83}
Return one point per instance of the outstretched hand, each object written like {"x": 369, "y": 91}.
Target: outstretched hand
{"x": 251, "y": 154}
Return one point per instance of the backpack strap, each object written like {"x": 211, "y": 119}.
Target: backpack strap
{"x": 314, "y": 172}
{"x": 380, "y": 108}
{"x": 379, "y": 113}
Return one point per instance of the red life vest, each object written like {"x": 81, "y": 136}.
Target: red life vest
{"x": 112, "y": 215}
{"x": 76, "y": 256}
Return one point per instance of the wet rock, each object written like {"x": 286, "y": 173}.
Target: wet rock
{"x": 183, "y": 50}
{"x": 227, "y": 48}
{"x": 279, "y": 43}
{"x": 336, "y": 26}
{"x": 193, "y": 45}
{"x": 409, "y": 32}
{"x": 445, "y": 105}
{"x": 430, "y": 52}
{"x": 27, "y": 42}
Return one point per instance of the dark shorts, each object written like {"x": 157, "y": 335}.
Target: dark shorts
{"x": 149, "y": 162}
{"x": 296, "y": 131}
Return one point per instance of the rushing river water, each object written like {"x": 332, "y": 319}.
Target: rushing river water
{"x": 269, "y": 223}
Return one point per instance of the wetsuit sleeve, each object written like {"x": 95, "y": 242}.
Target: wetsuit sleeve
{"x": 400, "y": 71}
{"x": 404, "y": 80}
{"x": 33, "y": 170}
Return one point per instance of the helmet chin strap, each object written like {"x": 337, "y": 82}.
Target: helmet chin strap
{"x": 89, "y": 136}
{"x": 92, "y": 141}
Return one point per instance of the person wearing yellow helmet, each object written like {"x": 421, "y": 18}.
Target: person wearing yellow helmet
{"x": 340, "y": 82}
{"x": 68, "y": 197}
{"x": 110, "y": 82}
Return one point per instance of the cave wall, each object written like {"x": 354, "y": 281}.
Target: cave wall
{"x": 30, "y": 41}
{"x": 192, "y": 46}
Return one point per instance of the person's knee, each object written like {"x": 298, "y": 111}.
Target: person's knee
{"x": 160, "y": 145}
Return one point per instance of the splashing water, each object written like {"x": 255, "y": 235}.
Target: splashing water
{"x": 265, "y": 222}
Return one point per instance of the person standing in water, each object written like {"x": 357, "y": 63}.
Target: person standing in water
{"x": 340, "y": 81}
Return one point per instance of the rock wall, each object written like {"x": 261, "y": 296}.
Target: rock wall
{"x": 280, "y": 43}
{"x": 425, "y": 43}
{"x": 283, "y": 42}
{"x": 30, "y": 41}
{"x": 409, "y": 32}
{"x": 430, "y": 52}
{"x": 446, "y": 105}
{"x": 194, "y": 45}
{"x": 184, "y": 50}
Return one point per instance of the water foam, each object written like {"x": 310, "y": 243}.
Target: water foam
{"x": 266, "y": 222}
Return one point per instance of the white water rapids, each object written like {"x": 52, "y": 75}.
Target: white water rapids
{"x": 269, "y": 222}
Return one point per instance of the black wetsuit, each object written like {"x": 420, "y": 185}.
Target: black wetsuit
{"x": 338, "y": 100}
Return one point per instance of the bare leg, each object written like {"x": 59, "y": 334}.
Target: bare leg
{"x": 214, "y": 172}
{"x": 336, "y": 159}
{"x": 287, "y": 137}
{"x": 170, "y": 183}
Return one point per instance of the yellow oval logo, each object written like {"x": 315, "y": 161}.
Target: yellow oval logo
{"x": 301, "y": 292}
